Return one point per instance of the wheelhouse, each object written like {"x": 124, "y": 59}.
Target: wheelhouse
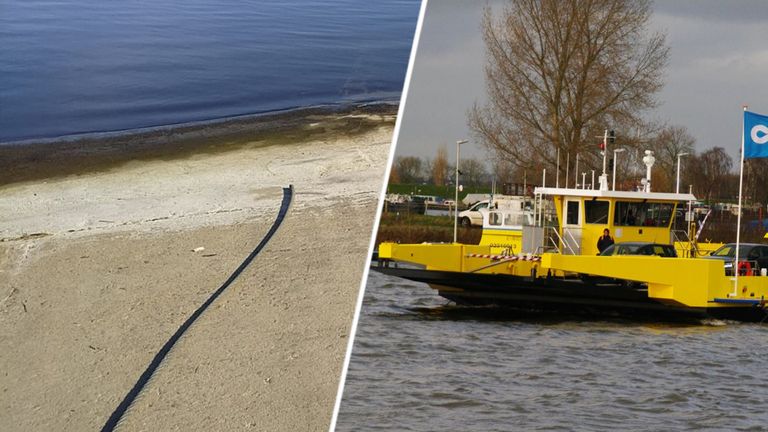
{"x": 583, "y": 214}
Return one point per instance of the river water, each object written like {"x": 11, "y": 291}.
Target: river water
{"x": 78, "y": 66}
{"x": 420, "y": 365}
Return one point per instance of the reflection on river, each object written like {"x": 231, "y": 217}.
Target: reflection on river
{"x": 420, "y": 364}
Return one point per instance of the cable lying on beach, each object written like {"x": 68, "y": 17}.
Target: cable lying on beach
{"x": 114, "y": 419}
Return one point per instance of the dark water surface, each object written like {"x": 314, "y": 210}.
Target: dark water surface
{"x": 75, "y": 66}
{"x": 420, "y": 366}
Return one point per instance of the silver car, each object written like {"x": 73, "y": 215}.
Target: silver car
{"x": 753, "y": 255}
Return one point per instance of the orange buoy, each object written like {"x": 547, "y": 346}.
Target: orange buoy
{"x": 745, "y": 268}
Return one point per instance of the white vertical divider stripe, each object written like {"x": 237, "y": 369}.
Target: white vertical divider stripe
{"x": 361, "y": 291}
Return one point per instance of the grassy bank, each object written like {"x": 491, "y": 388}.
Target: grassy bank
{"x": 420, "y": 228}
{"x": 447, "y": 192}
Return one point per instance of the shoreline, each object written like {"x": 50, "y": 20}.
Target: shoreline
{"x": 31, "y": 160}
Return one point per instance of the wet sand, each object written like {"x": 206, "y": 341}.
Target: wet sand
{"x": 78, "y": 154}
{"x": 98, "y": 269}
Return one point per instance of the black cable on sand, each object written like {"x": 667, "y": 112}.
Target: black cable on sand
{"x": 114, "y": 419}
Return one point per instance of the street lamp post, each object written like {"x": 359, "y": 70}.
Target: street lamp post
{"x": 677, "y": 186}
{"x": 456, "y": 198}
{"x": 615, "y": 162}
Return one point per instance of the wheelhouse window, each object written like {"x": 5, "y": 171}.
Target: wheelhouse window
{"x": 629, "y": 213}
{"x": 494, "y": 218}
{"x": 514, "y": 219}
{"x": 572, "y": 213}
{"x": 596, "y": 212}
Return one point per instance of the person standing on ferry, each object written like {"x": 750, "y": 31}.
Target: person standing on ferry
{"x": 604, "y": 241}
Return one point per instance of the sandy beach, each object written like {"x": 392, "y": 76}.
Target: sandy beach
{"x": 101, "y": 263}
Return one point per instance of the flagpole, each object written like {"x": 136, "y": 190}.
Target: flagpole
{"x": 738, "y": 219}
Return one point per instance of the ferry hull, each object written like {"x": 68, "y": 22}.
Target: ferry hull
{"x": 561, "y": 295}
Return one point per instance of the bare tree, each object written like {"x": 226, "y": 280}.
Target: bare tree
{"x": 473, "y": 171}
{"x": 710, "y": 171}
{"x": 408, "y": 168}
{"x": 504, "y": 171}
{"x": 426, "y": 169}
{"x": 559, "y": 72}
{"x": 394, "y": 175}
{"x": 671, "y": 142}
{"x": 440, "y": 166}
{"x": 755, "y": 179}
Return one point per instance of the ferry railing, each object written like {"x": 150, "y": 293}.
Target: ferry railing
{"x": 562, "y": 241}
{"x": 573, "y": 242}
{"x": 688, "y": 246}
{"x": 675, "y": 237}
{"x": 544, "y": 248}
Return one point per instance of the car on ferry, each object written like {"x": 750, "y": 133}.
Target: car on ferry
{"x": 753, "y": 257}
{"x": 640, "y": 248}
{"x": 633, "y": 248}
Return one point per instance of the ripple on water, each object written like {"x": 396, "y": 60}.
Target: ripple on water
{"x": 421, "y": 364}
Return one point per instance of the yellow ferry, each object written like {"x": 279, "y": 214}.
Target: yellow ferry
{"x": 547, "y": 259}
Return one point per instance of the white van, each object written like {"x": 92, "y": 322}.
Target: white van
{"x": 472, "y": 216}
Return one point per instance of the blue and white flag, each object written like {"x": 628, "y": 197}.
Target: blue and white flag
{"x": 755, "y": 135}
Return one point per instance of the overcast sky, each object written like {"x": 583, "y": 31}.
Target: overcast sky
{"x": 718, "y": 62}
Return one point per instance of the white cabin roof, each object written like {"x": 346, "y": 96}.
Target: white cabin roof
{"x": 595, "y": 193}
